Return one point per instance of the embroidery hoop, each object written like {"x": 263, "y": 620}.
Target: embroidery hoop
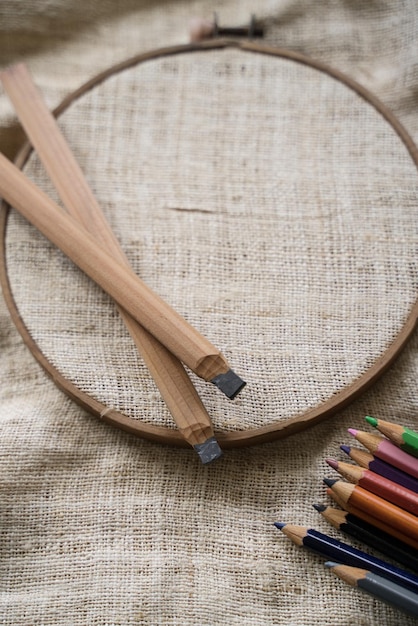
{"x": 337, "y": 400}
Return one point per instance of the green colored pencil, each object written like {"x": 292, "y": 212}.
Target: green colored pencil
{"x": 403, "y": 437}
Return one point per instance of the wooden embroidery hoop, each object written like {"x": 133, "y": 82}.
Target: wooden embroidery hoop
{"x": 228, "y": 439}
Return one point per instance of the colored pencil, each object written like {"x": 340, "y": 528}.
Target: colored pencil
{"x": 377, "y": 586}
{"x": 331, "y": 548}
{"x": 373, "y": 521}
{"x": 387, "y": 451}
{"x": 55, "y": 154}
{"x": 376, "y": 506}
{"x": 370, "y": 535}
{"x": 374, "y": 464}
{"x": 401, "y": 436}
{"x": 386, "y": 489}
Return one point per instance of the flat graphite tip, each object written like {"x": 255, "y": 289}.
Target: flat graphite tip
{"x": 208, "y": 451}
{"x": 230, "y": 383}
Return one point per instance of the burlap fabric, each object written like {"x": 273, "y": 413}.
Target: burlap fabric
{"x": 97, "y": 526}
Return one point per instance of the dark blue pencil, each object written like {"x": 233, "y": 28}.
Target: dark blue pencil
{"x": 338, "y": 551}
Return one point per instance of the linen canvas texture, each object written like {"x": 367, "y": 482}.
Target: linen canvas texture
{"x": 275, "y": 209}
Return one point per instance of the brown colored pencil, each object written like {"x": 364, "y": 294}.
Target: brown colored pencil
{"x": 390, "y": 514}
{"x": 169, "y": 374}
{"x": 379, "y": 485}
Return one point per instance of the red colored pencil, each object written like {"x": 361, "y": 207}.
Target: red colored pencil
{"x": 386, "y": 489}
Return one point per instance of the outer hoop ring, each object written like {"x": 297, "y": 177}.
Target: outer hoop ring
{"x": 235, "y": 438}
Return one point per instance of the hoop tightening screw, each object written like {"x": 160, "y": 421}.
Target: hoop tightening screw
{"x": 205, "y": 29}
{"x": 250, "y": 31}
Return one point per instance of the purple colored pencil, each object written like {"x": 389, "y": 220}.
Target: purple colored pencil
{"x": 382, "y": 468}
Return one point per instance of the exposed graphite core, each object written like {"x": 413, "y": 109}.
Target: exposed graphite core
{"x": 230, "y": 383}
{"x": 208, "y": 451}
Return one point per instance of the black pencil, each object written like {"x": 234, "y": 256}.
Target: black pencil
{"x": 370, "y": 535}
{"x": 377, "y": 586}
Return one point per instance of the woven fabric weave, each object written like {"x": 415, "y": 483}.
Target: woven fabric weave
{"x": 266, "y": 201}
{"x": 207, "y": 155}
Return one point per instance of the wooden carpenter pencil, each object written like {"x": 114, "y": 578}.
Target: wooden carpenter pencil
{"x": 401, "y": 436}
{"x": 377, "y": 586}
{"x": 390, "y": 514}
{"x": 54, "y": 152}
{"x": 121, "y": 283}
{"x": 331, "y": 548}
{"x": 386, "y": 489}
{"x": 373, "y": 521}
{"x": 374, "y": 464}
{"x": 370, "y": 535}
{"x": 387, "y": 451}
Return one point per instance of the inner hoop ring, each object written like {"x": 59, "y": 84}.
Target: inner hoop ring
{"x": 234, "y": 438}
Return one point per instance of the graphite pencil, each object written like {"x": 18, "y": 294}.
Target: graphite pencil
{"x": 379, "y": 587}
{"x": 331, "y": 548}
{"x": 120, "y": 282}
{"x": 46, "y": 137}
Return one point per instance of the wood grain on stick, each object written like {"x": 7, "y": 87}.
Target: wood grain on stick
{"x": 42, "y": 129}
{"x": 113, "y": 275}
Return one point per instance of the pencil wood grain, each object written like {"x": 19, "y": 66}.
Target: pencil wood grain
{"x": 42, "y": 129}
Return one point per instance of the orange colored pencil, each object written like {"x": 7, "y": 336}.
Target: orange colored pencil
{"x": 373, "y": 521}
{"x": 376, "y": 506}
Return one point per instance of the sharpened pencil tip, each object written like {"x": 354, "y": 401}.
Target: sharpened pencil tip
{"x": 319, "y": 507}
{"x": 230, "y": 383}
{"x": 330, "y": 563}
{"x": 280, "y": 525}
{"x": 345, "y": 449}
{"x": 330, "y": 481}
{"x": 353, "y": 431}
{"x": 208, "y": 451}
{"x": 332, "y": 463}
{"x": 371, "y": 420}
